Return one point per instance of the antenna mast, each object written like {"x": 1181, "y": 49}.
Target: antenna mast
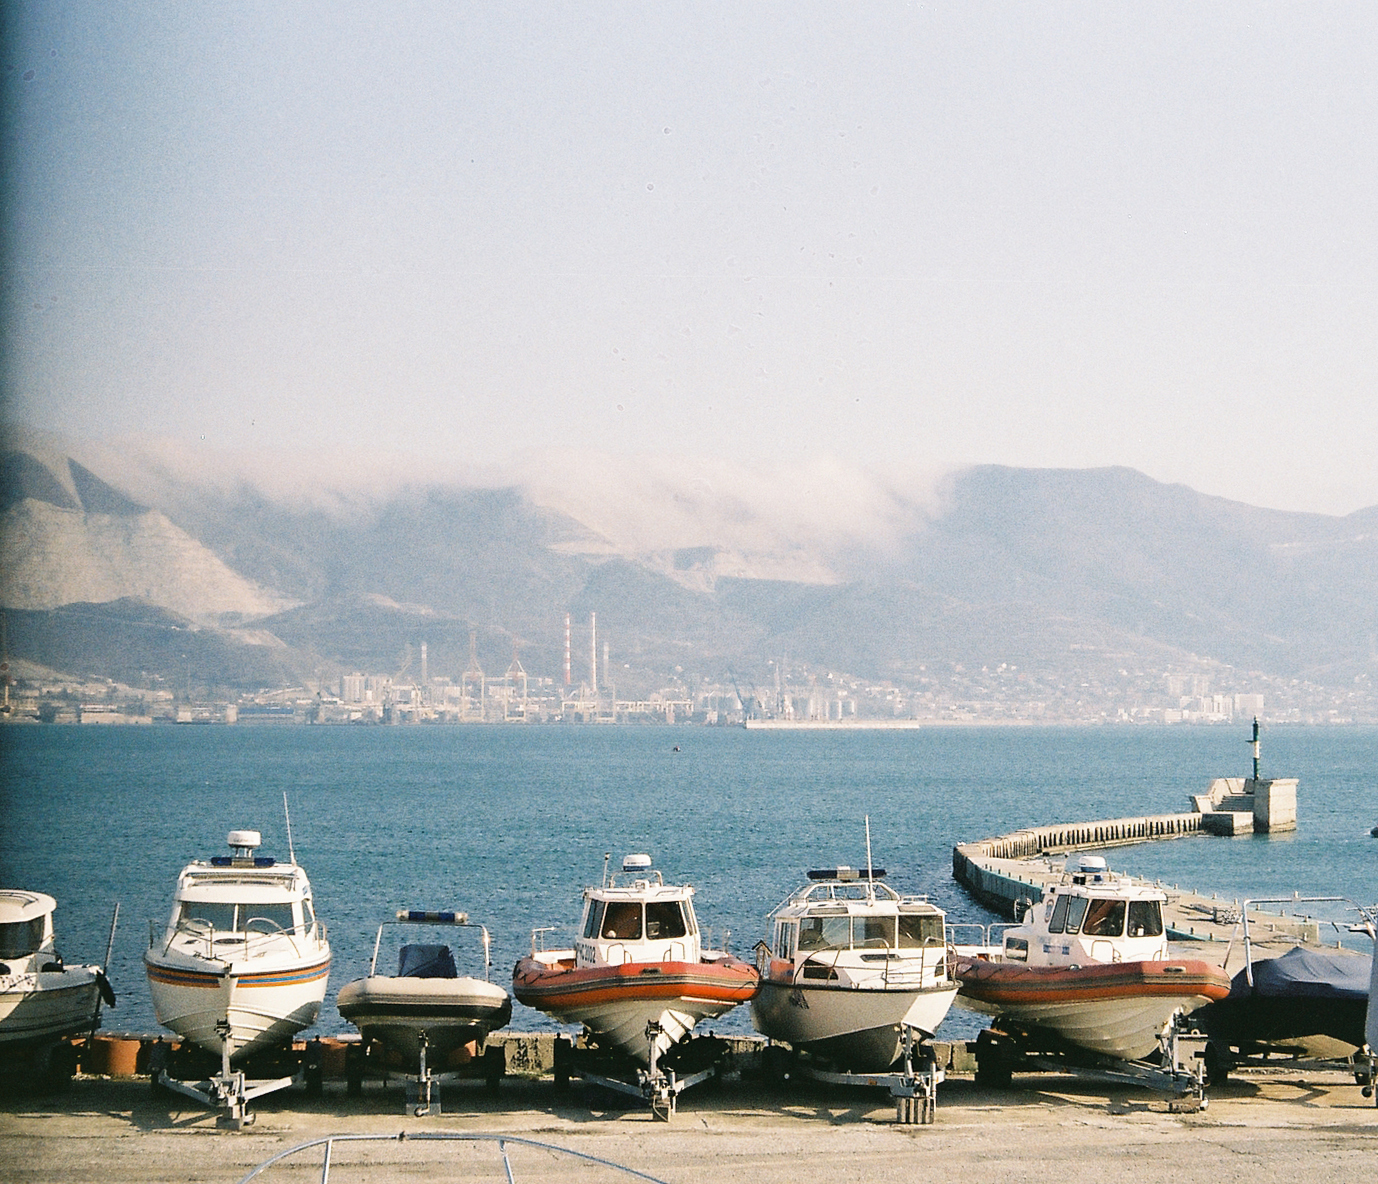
{"x": 869, "y": 876}
{"x": 291, "y": 854}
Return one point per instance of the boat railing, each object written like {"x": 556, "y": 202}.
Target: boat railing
{"x": 1368, "y": 921}
{"x": 204, "y": 938}
{"x": 988, "y": 935}
{"x": 448, "y": 919}
{"x": 538, "y": 937}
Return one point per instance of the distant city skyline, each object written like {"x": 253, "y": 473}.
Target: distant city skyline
{"x": 881, "y": 238}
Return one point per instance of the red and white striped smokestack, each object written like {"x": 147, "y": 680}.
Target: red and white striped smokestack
{"x": 567, "y": 669}
{"x": 593, "y": 652}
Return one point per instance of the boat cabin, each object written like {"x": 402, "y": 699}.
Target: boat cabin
{"x": 26, "y": 928}
{"x": 845, "y": 911}
{"x": 239, "y": 899}
{"x": 1093, "y": 915}
{"x": 634, "y": 916}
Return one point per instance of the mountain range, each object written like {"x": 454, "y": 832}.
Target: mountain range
{"x": 1078, "y": 571}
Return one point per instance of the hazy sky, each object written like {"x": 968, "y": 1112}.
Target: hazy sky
{"x": 862, "y": 233}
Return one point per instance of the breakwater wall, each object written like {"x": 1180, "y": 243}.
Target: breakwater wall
{"x": 1033, "y": 841}
{"x": 990, "y": 869}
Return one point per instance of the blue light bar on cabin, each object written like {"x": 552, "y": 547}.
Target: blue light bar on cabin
{"x": 443, "y": 917}
{"x": 231, "y": 861}
{"x": 845, "y": 874}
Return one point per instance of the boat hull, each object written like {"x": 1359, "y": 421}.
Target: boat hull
{"x": 858, "y": 1029}
{"x": 446, "y": 1012}
{"x": 616, "y": 1003}
{"x": 263, "y": 1008}
{"x": 1114, "y": 1009}
{"x": 47, "y": 1005}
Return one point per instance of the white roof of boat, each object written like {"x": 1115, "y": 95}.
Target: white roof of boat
{"x": 263, "y": 885}
{"x": 838, "y": 897}
{"x": 18, "y": 905}
{"x": 640, "y": 890}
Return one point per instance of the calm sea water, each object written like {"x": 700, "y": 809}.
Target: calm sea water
{"x": 510, "y": 823}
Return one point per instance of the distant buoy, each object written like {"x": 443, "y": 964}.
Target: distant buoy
{"x": 676, "y": 749}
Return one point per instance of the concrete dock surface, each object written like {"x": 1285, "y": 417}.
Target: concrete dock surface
{"x": 1282, "y": 1123}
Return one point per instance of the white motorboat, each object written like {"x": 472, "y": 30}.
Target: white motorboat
{"x": 427, "y": 1006}
{"x": 852, "y": 964}
{"x": 242, "y": 963}
{"x": 638, "y": 976}
{"x": 1089, "y": 968}
{"x": 42, "y": 998}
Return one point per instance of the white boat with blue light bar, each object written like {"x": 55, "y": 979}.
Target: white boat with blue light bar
{"x": 855, "y": 972}
{"x": 427, "y": 1003}
{"x": 242, "y": 963}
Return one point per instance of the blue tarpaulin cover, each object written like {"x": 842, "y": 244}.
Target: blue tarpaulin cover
{"x": 1311, "y": 974}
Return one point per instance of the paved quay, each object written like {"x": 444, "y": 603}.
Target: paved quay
{"x": 1283, "y": 1124}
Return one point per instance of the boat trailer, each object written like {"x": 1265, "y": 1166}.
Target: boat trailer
{"x": 1180, "y": 1069}
{"x": 913, "y": 1085}
{"x": 423, "y": 1086}
{"x": 696, "y": 1059}
{"x": 231, "y": 1091}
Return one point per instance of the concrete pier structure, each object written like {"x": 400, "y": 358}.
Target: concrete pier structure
{"x": 1010, "y": 873}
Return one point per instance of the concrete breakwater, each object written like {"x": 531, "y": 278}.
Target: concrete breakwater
{"x": 1011, "y": 872}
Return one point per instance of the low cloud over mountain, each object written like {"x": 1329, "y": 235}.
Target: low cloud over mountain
{"x": 705, "y": 568}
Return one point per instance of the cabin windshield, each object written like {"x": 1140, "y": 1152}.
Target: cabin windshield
{"x": 920, "y": 930}
{"x": 665, "y": 918}
{"x": 1105, "y": 918}
{"x": 825, "y": 933}
{"x": 1145, "y": 918}
{"x": 19, "y": 939}
{"x": 622, "y": 920}
{"x": 224, "y": 917}
{"x": 873, "y": 932}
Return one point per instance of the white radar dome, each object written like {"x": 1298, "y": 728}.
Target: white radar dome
{"x": 636, "y": 863}
{"x": 245, "y": 838}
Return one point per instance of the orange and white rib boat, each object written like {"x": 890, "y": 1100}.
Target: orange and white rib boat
{"x": 1091, "y": 967}
{"x": 638, "y": 977}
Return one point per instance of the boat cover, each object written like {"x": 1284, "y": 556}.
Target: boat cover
{"x": 1310, "y": 974}
{"x": 419, "y": 961}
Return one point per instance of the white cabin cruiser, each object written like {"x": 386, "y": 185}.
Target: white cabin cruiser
{"x": 852, "y": 964}
{"x": 242, "y": 963}
{"x": 42, "y": 998}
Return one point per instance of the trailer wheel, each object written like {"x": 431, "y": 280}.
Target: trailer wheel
{"x": 994, "y": 1061}
{"x": 563, "y": 1049}
{"x": 354, "y": 1069}
{"x": 1218, "y": 1064}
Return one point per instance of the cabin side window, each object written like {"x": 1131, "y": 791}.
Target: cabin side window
{"x": 1145, "y": 918}
{"x": 665, "y": 918}
{"x": 1076, "y": 913}
{"x": 917, "y": 929}
{"x": 785, "y": 933}
{"x": 622, "y": 920}
{"x": 19, "y": 939}
{"x": 593, "y": 919}
{"x": 1058, "y": 921}
{"x": 1105, "y": 918}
